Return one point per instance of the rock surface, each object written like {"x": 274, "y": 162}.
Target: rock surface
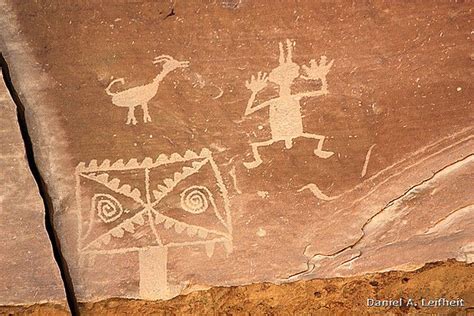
{"x": 339, "y": 296}
{"x": 333, "y": 296}
{"x": 191, "y": 145}
{"x": 28, "y": 273}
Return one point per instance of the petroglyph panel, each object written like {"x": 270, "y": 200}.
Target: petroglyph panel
{"x": 337, "y": 137}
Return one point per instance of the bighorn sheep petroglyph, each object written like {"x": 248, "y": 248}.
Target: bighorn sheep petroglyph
{"x": 141, "y": 95}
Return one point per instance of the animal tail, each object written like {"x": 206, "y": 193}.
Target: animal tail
{"x": 107, "y": 90}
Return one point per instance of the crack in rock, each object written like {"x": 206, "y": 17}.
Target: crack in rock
{"x": 312, "y": 262}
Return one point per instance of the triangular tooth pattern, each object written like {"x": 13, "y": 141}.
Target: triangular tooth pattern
{"x": 197, "y": 164}
{"x": 157, "y": 194}
{"x": 162, "y": 188}
{"x": 176, "y": 157}
{"x": 103, "y": 178}
{"x": 147, "y": 162}
{"x": 105, "y": 164}
{"x": 179, "y": 227}
{"x": 135, "y": 194}
{"x": 169, "y": 183}
{"x": 162, "y": 159}
{"x": 187, "y": 171}
{"x": 191, "y": 231}
{"x": 81, "y": 167}
{"x": 210, "y": 248}
{"x": 132, "y": 163}
{"x": 177, "y": 177}
{"x": 125, "y": 189}
{"x": 205, "y": 153}
{"x": 92, "y": 164}
{"x": 190, "y": 155}
{"x": 138, "y": 219}
{"x": 202, "y": 233}
{"x": 168, "y": 223}
{"x": 128, "y": 226}
{"x": 117, "y": 232}
{"x": 118, "y": 164}
{"x": 159, "y": 219}
{"x": 114, "y": 184}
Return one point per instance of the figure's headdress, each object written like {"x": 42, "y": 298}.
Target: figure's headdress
{"x": 289, "y": 56}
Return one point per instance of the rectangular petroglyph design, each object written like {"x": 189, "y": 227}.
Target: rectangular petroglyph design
{"x": 150, "y": 206}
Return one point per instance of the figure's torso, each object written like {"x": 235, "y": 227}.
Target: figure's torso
{"x": 285, "y": 118}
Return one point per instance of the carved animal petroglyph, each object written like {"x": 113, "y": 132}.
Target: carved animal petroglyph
{"x": 141, "y": 95}
{"x": 285, "y": 112}
{"x": 150, "y": 206}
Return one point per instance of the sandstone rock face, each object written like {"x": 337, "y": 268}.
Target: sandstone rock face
{"x": 227, "y": 143}
{"x": 28, "y": 273}
{"x": 339, "y": 296}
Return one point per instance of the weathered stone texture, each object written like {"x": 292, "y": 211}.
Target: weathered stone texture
{"x": 338, "y": 296}
{"x": 28, "y": 271}
{"x": 248, "y": 142}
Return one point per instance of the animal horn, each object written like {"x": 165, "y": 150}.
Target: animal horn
{"x": 289, "y": 46}
{"x": 282, "y": 53}
{"x": 162, "y": 58}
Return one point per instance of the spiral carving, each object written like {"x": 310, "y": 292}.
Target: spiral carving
{"x": 107, "y": 207}
{"x": 195, "y": 199}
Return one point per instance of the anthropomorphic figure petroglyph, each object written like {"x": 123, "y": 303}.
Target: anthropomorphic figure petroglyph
{"x": 141, "y": 95}
{"x": 285, "y": 111}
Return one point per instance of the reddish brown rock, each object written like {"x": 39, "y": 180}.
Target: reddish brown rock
{"x": 28, "y": 274}
{"x": 338, "y": 296}
{"x": 213, "y": 144}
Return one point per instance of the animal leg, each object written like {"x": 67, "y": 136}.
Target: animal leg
{"x": 256, "y": 155}
{"x": 319, "y": 150}
{"x": 131, "y": 116}
{"x": 146, "y": 115}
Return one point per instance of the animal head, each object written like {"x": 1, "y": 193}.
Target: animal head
{"x": 287, "y": 71}
{"x": 169, "y": 63}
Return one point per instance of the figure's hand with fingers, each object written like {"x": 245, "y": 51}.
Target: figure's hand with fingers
{"x": 258, "y": 83}
{"x": 317, "y": 71}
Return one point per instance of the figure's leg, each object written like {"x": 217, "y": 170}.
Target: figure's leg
{"x": 319, "y": 150}
{"x": 288, "y": 143}
{"x": 146, "y": 115}
{"x": 256, "y": 155}
{"x": 131, "y": 116}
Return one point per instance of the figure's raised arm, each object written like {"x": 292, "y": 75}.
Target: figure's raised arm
{"x": 319, "y": 71}
{"x": 256, "y": 84}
